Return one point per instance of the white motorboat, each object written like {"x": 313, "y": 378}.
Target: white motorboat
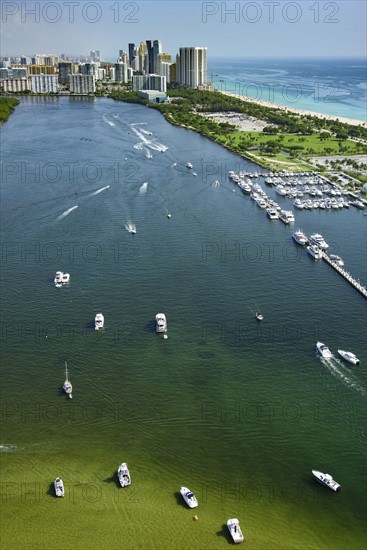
{"x": 327, "y": 480}
{"x": 59, "y": 487}
{"x": 280, "y": 189}
{"x": 259, "y": 316}
{"x": 323, "y": 350}
{"x": 98, "y": 321}
{"x": 272, "y": 213}
{"x": 337, "y": 259}
{"x": 349, "y": 356}
{"x": 124, "y": 475}
{"x": 161, "y": 322}
{"x": 300, "y": 237}
{"x": 58, "y": 279}
{"x": 189, "y": 165}
{"x": 319, "y": 240}
{"x": 315, "y": 252}
{"x": 67, "y": 387}
{"x": 169, "y": 215}
{"x": 189, "y": 497}
{"x": 359, "y": 204}
{"x": 235, "y": 530}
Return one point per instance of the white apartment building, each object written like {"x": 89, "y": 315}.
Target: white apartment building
{"x": 44, "y": 83}
{"x": 81, "y": 84}
{"x": 149, "y": 82}
{"x": 15, "y": 85}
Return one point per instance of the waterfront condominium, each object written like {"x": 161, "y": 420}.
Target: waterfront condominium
{"x": 192, "y": 67}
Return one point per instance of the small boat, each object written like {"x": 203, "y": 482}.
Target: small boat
{"x": 327, "y": 480}
{"x": 194, "y": 174}
{"x": 59, "y": 487}
{"x": 359, "y": 204}
{"x": 98, "y": 321}
{"x": 161, "y": 322}
{"x": 58, "y": 279}
{"x": 300, "y": 237}
{"x": 323, "y": 350}
{"x": 189, "y": 497}
{"x": 349, "y": 356}
{"x": 65, "y": 278}
{"x": 235, "y": 530}
{"x": 124, "y": 475}
{"x": 169, "y": 215}
{"x": 67, "y": 387}
{"x": 272, "y": 213}
{"x": 259, "y": 316}
{"x": 189, "y": 165}
{"x": 315, "y": 252}
{"x": 337, "y": 259}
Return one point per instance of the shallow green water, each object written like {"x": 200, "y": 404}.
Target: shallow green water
{"x": 240, "y": 412}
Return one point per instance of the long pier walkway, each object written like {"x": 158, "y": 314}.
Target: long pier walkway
{"x": 347, "y": 276}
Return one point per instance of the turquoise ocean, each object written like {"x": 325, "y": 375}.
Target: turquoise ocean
{"x": 238, "y": 411}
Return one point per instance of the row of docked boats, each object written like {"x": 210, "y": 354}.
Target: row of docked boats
{"x": 329, "y": 204}
{"x": 317, "y": 245}
{"x": 325, "y": 352}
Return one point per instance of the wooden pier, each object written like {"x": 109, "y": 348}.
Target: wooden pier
{"x": 347, "y": 276}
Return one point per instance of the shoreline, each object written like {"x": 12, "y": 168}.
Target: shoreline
{"x": 304, "y": 112}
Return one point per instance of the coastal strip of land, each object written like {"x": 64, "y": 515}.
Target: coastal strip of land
{"x": 302, "y": 112}
{"x": 7, "y": 106}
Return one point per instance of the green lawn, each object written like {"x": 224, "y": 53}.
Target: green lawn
{"x": 310, "y": 145}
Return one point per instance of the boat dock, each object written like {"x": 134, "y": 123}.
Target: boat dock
{"x": 347, "y": 276}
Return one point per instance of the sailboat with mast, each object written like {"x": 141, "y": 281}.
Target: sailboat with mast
{"x": 67, "y": 387}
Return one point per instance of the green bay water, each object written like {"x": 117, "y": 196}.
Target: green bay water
{"x": 236, "y": 410}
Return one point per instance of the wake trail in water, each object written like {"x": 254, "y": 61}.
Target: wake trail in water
{"x": 338, "y": 370}
{"x": 67, "y": 212}
{"x": 130, "y": 227}
{"x": 100, "y": 190}
{"x": 151, "y": 144}
{"x": 105, "y": 119}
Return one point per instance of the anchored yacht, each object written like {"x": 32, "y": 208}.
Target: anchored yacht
{"x": 124, "y": 475}
{"x": 98, "y": 321}
{"x": 189, "y": 497}
{"x": 235, "y": 530}
{"x": 349, "y": 356}
{"x": 59, "y": 487}
{"x": 67, "y": 387}
{"x": 327, "y": 480}
{"x": 161, "y": 322}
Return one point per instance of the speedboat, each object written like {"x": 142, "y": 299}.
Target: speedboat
{"x": 323, "y": 350}
{"x": 319, "y": 240}
{"x": 169, "y": 215}
{"x": 67, "y": 387}
{"x": 315, "y": 252}
{"x": 161, "y": 322}
{"x": 349, "y": 356}
{"x": 337, "y": 259}
{"x": 59, "y": 487}
{"x": 327, "y": 480}
{"x": 124, "y": 475}
{"x": 58, "y": 279}
{"x": 235, "y": 530}
{"x": 189, "y": 497}
{"x": 259, "y": 316}
{"x": 300, "y": 237}
{"x": 189, "y": 165}
{"x": 98, "y": 321}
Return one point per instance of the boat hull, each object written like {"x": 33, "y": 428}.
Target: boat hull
{"x": 348, "y": 356}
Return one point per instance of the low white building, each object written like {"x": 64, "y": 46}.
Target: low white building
{"x": 149, "y": 82}
{"x": 44, "y": 83}
{"x": 15, "y": 85}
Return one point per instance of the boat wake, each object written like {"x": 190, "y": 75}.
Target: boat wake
{"x": 148, "y": 154}
{"x": 339, "y": 370}
{"x": 105, "y": 119}
{"x": 130, "y": 227}
{"x": 151, "y": 144}
{"x": 100, "y": 190}
{"x": 67, "y": 212}
{"x": 7, "y": 448}
{"x": 144, "y": 187}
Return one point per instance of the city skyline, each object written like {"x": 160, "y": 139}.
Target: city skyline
{"x": 227, "y": 29}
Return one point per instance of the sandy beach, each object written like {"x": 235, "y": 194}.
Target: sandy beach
{"x": 345, "y": 120}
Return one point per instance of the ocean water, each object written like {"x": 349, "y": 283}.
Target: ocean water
{"x": 330, "y": 86}
{"x": 236, "y": 410}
